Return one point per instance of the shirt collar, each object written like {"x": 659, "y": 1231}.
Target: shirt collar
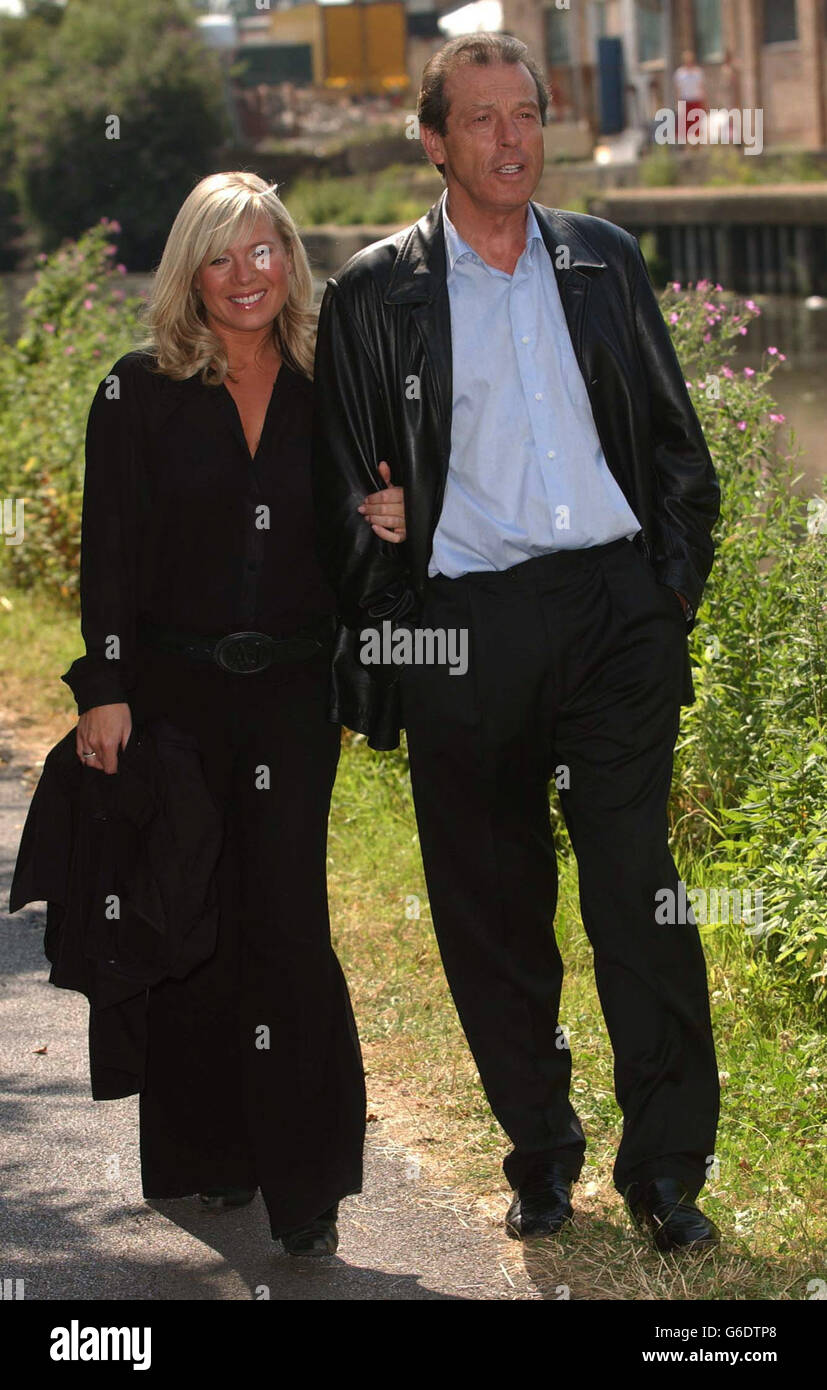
{"x": 456, "y": 246}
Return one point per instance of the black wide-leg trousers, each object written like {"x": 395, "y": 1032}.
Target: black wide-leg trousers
{"x": 577, "y": 663}
{"x": 254, "y": 1071}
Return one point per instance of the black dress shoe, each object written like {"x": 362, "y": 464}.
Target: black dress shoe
{"x": 664, "y": 1206}
{"x": 222, "y": 1198}
{"x": 317, "y": 1237}
{"x": 541, "y": 1204}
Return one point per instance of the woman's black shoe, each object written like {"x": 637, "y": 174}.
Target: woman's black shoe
{"x": 317, "y": 1237}
{"x": 222, "y": 1198}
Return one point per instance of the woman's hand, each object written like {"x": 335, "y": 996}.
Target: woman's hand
{"x": 102, "y": 730}
{"x": 385, "y": 510}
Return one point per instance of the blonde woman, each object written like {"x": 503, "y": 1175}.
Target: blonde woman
{"x": 203, "y": 603}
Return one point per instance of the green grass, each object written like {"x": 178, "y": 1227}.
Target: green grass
{"x": 39, "y": 639}
{"x": 393, "y": 196}
{"x": 769, "y": 1193}
{"x": 726, "y": 166}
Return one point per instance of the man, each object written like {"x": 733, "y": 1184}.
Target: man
{"x": 511, "y": 365}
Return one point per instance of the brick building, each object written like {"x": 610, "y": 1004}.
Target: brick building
{"x": 779, "y": 50}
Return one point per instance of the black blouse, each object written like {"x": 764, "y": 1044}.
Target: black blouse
{"x": 181, "y": 527}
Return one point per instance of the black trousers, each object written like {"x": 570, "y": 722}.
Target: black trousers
{"x": 254, "y": 1071}
{"x": 577, "y": 661}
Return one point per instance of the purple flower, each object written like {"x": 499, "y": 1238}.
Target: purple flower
{"x": 778, "y": 419}
{"x": 88, "y": 304}
{"x": 707, "y": 337}
{"x": 121, "y": 268}
{"x": 68, "y": 350}
{"x": 742, "y": 424}
{"x": 743, "y": 332}
{"x": 676, "y": 284}
{"x": 48, "y": 328}
{"x": 727, "y": 372}
{"x": 748, "y": 371}
{"x": 772, "y": 351}
{"x": 782, "y": 356}
{"x": 674, "y": 318}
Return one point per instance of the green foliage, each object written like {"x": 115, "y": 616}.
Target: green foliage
{"x": 77, "y": 322}
{"x": 659, "y": 168}
{"x": 395, "y": 196}
{"x": 751, "y": 767}
{"x": 717, "y": 166}
{"x": 110, "y": 61}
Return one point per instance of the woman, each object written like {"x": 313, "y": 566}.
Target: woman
{"x": 202, "y": 602}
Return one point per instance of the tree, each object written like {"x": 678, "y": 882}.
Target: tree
{"x": 117, "y": 115}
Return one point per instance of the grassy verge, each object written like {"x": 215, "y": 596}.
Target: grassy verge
{"x": 768, "y": 1193}
{"x": 38, "y": 641}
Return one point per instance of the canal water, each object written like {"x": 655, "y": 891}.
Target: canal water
{"x": 799, "y": 384}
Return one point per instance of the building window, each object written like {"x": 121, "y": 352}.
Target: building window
{"x": 558, "y": 51}
{"x": 780, "y": 22}
{"x": 650, "y": 27}
{"x": 708, "y": 30}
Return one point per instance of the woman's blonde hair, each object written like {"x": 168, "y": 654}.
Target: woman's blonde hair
{"x": 221, "y": 209}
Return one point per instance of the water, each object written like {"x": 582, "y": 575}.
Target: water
{"x": 799, "y": 384}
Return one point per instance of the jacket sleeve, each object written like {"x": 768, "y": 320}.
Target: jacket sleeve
{"x": 686, "y": 492}
{"x": 109, "y": 545}
{"x": 351, "y": 434}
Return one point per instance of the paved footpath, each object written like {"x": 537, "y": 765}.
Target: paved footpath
{"x": 73, "y": 1222}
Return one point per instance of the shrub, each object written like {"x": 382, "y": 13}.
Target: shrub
{"x": 147, "y": 67}
{"x": 77, "y": 322}
{"x": 750, "y": 792}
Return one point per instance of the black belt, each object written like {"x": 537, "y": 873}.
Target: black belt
{"x": 241, "y": 652}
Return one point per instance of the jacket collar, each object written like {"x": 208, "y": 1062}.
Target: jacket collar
{"x": 419, "y": 271}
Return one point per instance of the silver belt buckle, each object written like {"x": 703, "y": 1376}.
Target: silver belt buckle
{"x": 244, "y": 652}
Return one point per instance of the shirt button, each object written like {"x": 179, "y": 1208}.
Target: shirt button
{"x": 551, "y": 454}
{"x": 525, "y": 338}
{"x": 538, "y": 395}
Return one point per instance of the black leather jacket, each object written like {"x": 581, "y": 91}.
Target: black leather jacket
{"x": 383, "y": 391}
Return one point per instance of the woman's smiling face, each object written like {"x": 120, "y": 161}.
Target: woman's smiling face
{"x": 246, "y": 286}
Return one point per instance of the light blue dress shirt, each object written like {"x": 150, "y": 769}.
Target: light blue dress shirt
{"x": 526, "y": 473}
